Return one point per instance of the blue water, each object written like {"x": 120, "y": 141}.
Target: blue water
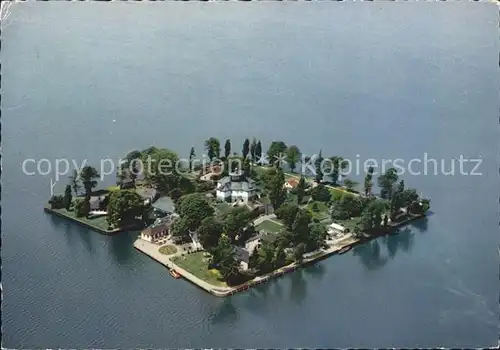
{"x": 378, "y": 80}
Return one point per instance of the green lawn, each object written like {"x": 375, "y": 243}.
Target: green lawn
{"x": 168, "y": 250}
{"x": 195, "y": 264}
{"x": 322, "y": 212}
{"x": 99, "y": 222}
{"x": 269, "y": 226}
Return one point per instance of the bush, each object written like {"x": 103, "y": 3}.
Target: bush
{"x": 315, "y": 207}
{"x": 205, "y": 186}
{"x": 320, "y": 193}
{"x": 82, "y": 207}
{"x": 56, "y": 202}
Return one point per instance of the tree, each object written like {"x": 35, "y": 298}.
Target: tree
{"x": 123, "y": 206}
{"x": 246, "y": 148}
{"x": 299, "y": 252}
{"x": 348, "y": 207}
{"x": 175, "y": 194}
{"x": 253, "y": 259}
{"x": 301, "y": 190}
{"x": 120, "y": 176}
{"x": 276, "y": 150}
{"x": 258, "y": 151}
{"x": 253, "y": 148}
{"x": 133, "y": 155}
{"x": 279, "y": 257}
{"x": 224, "y": 258}
{"x": 88, "y": 175}
{"x": 386, "y": 183}
{"x": 132, "y": 160}
{"x": 159, "y": 165}
{"x": 350, "y": 184}
{"x": 300, "y": 227}
{"x": 212, "y": 146}
{"x": 67, "y": 197}
{"x": 318, "y": 237}
{"x": 56, "y": 202}
{"x": 319, "y": 172}
{"x": 193, "y": 208}
{"x": 368, "y": 181}
{"x": 81, "y": 207}
{"x": 209, "y": 232}
{"x": 292, "y": 157}
{"x": 378, "y": 208}
{"x": 266, "y": 257}
{"x": 192, "y": 155}
{"x": 410, "y": 197}
{"x": 247, "y": 167}
{"x": 338, "y": 164}
{"x": 180, "y": 228}
{"x": 227, "y": 149}
{"x": 277, "y": 191}
{"x": 371, "y": 218}
{"x": 75, "y": 182}
{"x": 236, "y": 222}
{"x": 186, "y": 185}
{"x": 287, "y": 213}
{"x": 398, "y": 199}
{"x": 423, "y": 206}
{"x": 321, "y": 193}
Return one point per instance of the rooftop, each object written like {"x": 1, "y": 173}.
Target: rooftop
{"x": 236, "y": 183}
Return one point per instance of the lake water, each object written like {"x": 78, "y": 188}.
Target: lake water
{"x": 378, "y": 80}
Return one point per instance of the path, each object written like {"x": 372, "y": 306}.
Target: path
{"x": 152, "y": 250}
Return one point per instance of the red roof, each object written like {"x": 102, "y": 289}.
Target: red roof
{"x": 293, "y": 182}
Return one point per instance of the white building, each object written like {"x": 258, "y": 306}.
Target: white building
{"x": 158, "y": 230}
{"x": 336, "y": 228}
{"x": 236, "y": 187}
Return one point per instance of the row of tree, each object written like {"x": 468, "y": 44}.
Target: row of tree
{"x": 252, "y": 151}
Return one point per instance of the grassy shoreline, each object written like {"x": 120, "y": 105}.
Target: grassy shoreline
{"x": 219, "y": 289}
{"x": 62, "y": 213}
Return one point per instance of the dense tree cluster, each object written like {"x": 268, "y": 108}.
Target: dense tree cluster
{"x": 124, "y": 206}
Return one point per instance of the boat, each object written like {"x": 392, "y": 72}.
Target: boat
{"x": 174, "y": 274}
{"x": 345, "y": 250}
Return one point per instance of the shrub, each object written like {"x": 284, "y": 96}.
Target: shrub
{"x": 320, "y": 193}
{"x": 56, "y": 202}
{"x": 82, "y": 207}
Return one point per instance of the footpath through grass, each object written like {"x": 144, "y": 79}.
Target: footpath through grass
{"x": 195, "y": 263}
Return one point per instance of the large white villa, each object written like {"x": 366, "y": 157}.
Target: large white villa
{"x": 236, "y": 187}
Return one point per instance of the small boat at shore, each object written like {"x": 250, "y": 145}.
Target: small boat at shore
{"x": 174, "y": 274}
{"x": 345, "y": 250}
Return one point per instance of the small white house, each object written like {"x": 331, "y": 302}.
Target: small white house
{"x": 236, "y": 187}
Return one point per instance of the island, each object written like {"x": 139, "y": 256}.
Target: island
{"x": 245, "y": 217}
